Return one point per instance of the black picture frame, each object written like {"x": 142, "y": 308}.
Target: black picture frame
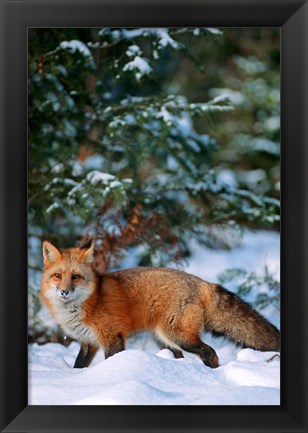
{"x": 16, "y": 17}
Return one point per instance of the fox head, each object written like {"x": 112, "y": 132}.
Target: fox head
{"x": 68, "y": 275}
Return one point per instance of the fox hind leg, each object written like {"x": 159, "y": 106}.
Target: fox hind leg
{"x": 163, "y": 344}
{"x": 177, "y": 353}
{"x": 192, "y": 345}
{"x": 204, "y": 351}
{"x": 184, "y": 333}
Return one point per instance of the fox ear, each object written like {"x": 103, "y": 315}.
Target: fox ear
{"x": 51, "y": 253}
{"x": 88, "y": 255}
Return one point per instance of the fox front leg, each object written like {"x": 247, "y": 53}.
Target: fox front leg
{"x": 85, "y": 355}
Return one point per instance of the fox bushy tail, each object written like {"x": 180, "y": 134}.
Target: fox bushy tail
{"x": 239, "y": 322}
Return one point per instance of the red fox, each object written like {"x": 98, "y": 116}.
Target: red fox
{"x": 102, "y": 311}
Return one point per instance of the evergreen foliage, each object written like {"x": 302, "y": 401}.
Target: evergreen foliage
{"x": 107, "y": 137}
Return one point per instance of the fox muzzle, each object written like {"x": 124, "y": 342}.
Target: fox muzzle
{"x": 64, "y": 292}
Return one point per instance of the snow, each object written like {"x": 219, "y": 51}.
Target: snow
{"x": 227, "y": 176}
{"x": 52, "y": 207}
{"x": 133, "y": 50}
{"x": 145, "y": 375}
{"x": 75, "y": 46}
{"x": 264, "y": 145}
{"x": 165, "y": 39}
{"x": 140, "y": 66}
{"x": 251, "y": 65}
{"x": 166, "y": 116}
{"x": 130, "y": 34}
{"x": 236, "y": 97}
{"x": 136, "y": 377}
{"x": 96, "y": 176}
{"x": 255, "y": 251}
{"x": 272, "y": 123}
{"x": 214, "y": 31}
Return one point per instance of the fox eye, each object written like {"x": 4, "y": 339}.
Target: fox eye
{"x": 58, "y": 276}
{"x": 76, "y": 276}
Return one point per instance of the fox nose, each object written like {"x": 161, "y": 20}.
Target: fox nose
{"x": 64, "y": 292}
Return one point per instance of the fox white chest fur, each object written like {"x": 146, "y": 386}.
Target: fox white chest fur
{"x": 69, "y": 316}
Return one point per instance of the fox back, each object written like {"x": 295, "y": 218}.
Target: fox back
{"x": 103, "y": 311}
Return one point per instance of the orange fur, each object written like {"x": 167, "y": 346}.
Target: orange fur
{"x": 176, "y": 306}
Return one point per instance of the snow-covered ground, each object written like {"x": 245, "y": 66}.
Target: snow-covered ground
{"x": 145, "y": 375}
